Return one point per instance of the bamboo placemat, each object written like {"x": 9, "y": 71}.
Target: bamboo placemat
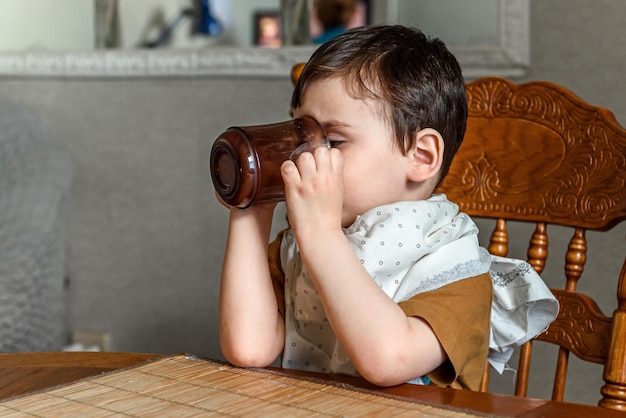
{"x": 185, "y": 386}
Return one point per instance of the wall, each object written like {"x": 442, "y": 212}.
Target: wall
{"x": 146, "y": 235}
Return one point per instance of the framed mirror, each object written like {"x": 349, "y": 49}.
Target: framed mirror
{"x": 490, "y": 37}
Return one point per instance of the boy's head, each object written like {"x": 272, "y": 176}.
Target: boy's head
{"x": 416, "y": 80}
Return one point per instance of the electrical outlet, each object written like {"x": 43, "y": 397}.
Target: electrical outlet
{"x": 101, "y": 341}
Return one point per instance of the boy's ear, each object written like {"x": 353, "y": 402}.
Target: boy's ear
{"x": 426, "y": 155}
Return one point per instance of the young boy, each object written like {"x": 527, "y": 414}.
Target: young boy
{"x": 375, "y": 276}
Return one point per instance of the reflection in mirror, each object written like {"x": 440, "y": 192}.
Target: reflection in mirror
{"x": 325, "y": 19}
{"x": 179, "y": 37}
{"x": 79, "y": 25}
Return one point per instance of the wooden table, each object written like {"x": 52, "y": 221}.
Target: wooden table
{"x": 21, "y": 373}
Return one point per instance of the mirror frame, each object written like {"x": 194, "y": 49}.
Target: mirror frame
{"x": 511, "y": 58}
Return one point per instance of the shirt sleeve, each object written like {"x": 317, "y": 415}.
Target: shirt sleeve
{"x": 459, "y": 314}
{"x": 276, "y": 272}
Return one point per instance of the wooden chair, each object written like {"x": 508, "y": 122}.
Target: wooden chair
{"x": 537, "y": 153}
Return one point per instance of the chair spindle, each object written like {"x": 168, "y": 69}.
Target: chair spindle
{"x": 538, "y": 248}
{"x": 575, "y": 259}
{"x": 499, "y": 241}
{"x": 613, "y": 392}
{"x": 560, "y": 376}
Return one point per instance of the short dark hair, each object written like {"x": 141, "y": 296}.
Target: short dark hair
{"x": 416, "y": 79}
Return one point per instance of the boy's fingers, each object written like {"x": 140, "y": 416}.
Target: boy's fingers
{"x": 322, "y": 158}
{"x": 336, "y": 159}
{"x": 306, "y": 165}
{"x": 289, "y": 172}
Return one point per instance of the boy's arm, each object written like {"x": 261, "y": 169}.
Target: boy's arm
{"x": 250, "y": 326}
{"x": 385, "y": 346}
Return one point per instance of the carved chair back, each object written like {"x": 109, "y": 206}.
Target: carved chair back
{"x": 537, "y": 153}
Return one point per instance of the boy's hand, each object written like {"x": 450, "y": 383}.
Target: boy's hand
{"x": 314, "y": 190}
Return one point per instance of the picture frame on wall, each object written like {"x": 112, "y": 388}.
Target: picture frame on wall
{"x": 267, "y": 29}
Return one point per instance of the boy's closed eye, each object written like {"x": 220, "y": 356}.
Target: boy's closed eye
{"x": 335, "y": 140}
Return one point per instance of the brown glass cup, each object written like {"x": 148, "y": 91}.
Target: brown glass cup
{"x": 245, "y": 160}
